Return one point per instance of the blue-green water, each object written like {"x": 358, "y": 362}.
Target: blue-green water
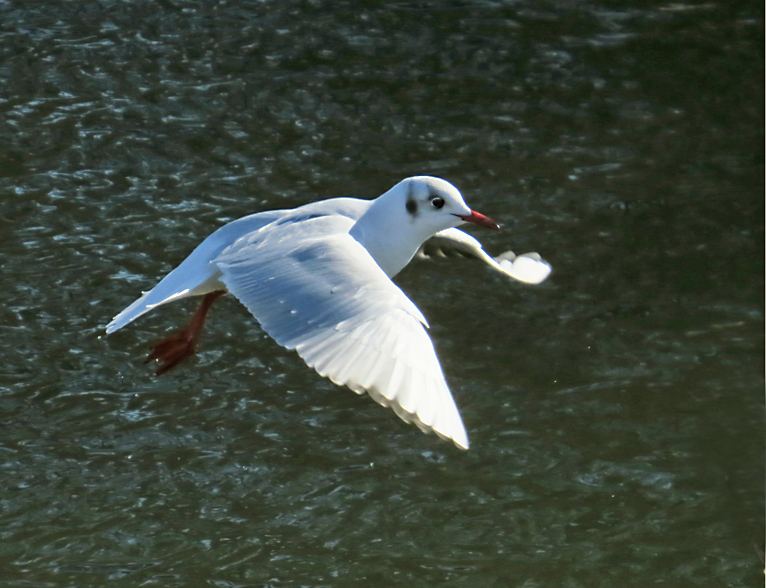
{"x": 616, "y": 413}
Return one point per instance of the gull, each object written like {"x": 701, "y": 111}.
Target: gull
{"x": 318, "y": 280}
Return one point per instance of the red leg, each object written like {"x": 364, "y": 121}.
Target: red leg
{"x": 172, "y": 350}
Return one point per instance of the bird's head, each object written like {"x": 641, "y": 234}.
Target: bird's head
{"x": 414, "y": 210}
{"x": 432, "y": 205}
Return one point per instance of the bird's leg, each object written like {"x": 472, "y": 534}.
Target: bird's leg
{"x": 172, "y": 350}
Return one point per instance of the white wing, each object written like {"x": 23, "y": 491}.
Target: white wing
{"x": 313, "y": 288}
{"x": 197, "y": 275}
{"x": 529, "y": 268}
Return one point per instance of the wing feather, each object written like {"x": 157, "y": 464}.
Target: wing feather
{"x": 528, "y": 268}
{"x": 315, "y": 289}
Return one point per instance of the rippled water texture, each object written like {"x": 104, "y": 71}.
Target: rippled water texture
{"x": 616, "y": 412}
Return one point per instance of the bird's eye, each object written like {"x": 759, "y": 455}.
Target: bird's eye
{"x": 437, "y": 202}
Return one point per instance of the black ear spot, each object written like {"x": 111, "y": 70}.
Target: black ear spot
{"x": 412, "y": 206}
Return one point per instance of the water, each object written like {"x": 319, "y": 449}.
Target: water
{"x": 615, "y": 412}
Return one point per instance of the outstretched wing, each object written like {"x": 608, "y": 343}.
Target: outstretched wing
{"x": 529, "y": 268}
{"x": 315, "y": 289}
{"x": 195, "y": 275}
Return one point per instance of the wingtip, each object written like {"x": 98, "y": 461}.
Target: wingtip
{"x": 528, "y": 268}
{"x": 462, "y": 444}
{"x": 460, "y": 438}
{"x": 115, "y": 324}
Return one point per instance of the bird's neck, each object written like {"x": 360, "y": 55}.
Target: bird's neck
{"x": 381, "y": 234}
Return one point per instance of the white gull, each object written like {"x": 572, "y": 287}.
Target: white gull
{"x": 318, "y": 280}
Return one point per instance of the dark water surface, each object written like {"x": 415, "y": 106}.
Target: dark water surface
{"x": 616, "y": 412}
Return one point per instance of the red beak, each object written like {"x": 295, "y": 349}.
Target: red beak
{"x": 479, "y": 219}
